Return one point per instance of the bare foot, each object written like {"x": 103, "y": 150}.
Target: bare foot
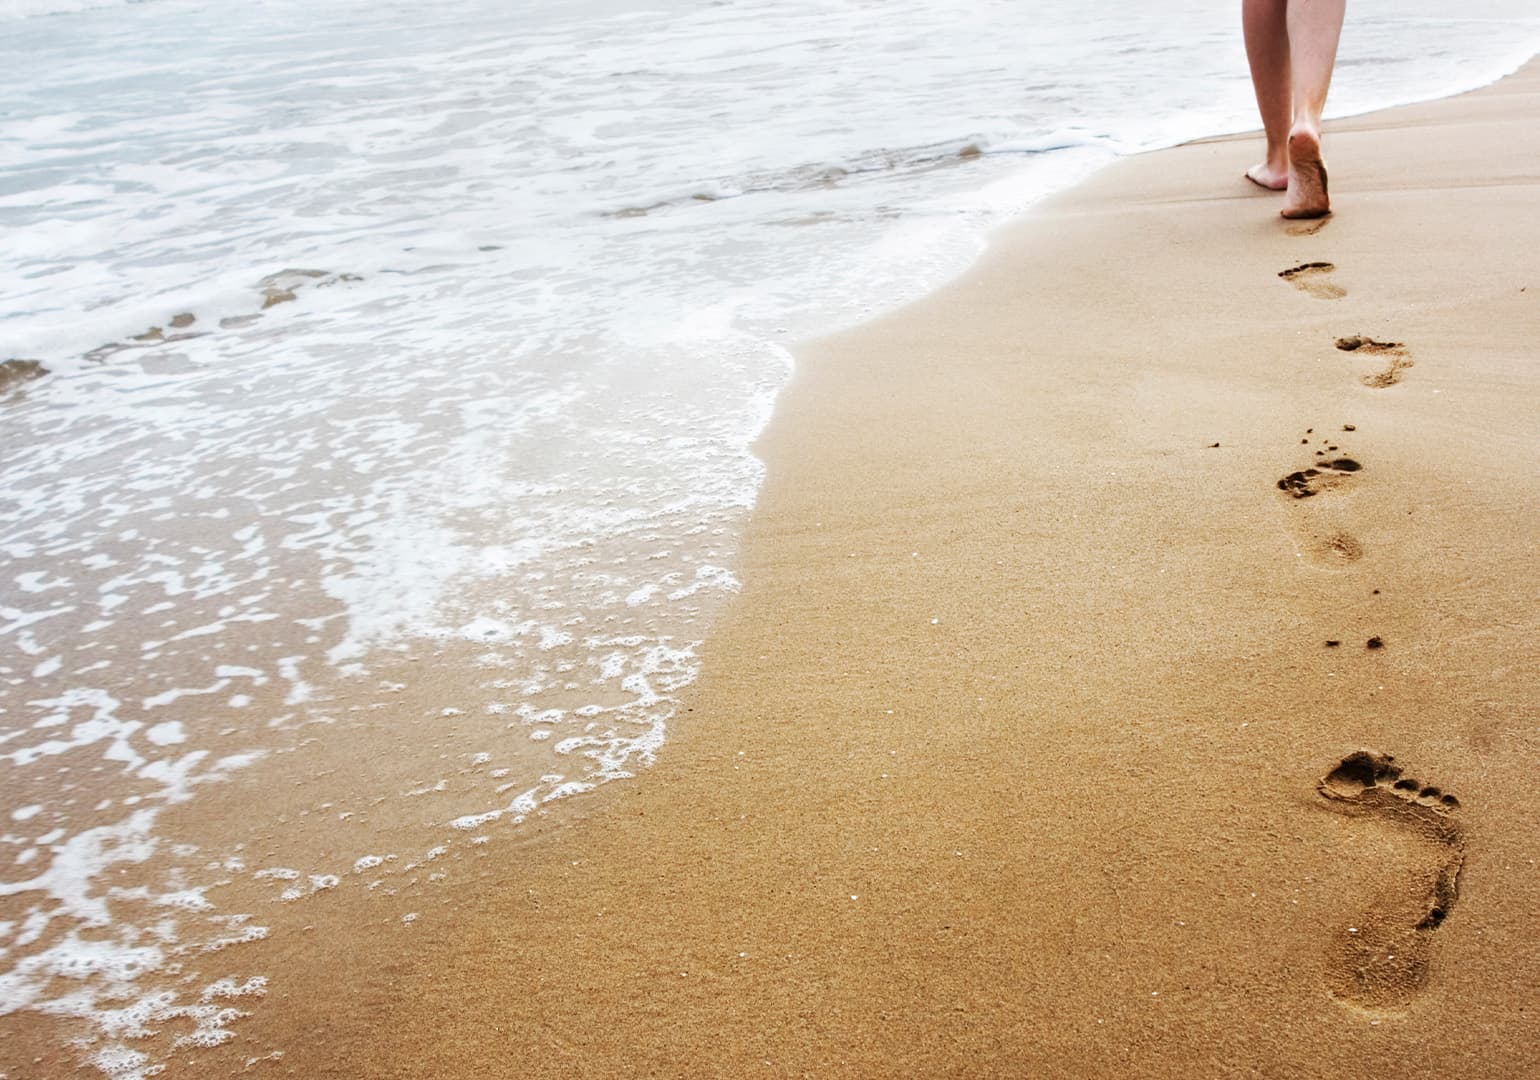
{"x": 1307, "y": 176}
{"x": 1268, "y": 176}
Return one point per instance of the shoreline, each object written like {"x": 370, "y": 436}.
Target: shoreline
{"x": 1005, "y": 758}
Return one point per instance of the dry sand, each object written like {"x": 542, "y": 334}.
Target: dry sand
{"x": 1006, "y": 760}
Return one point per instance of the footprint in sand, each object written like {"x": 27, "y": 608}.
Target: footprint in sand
{"x": 1307, "y": 228}
{"x": 1336, "y": 548}
{"x": 1313, "y": 278}
{"x": 1396, "y": 358}
{"x": 1321, "y": 538}
{"x": 1382, "y": 961}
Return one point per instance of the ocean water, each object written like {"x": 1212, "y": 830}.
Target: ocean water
{"x": 403, "y": 366}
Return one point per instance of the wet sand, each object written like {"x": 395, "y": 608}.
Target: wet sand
{"x": 1028, "y": 747}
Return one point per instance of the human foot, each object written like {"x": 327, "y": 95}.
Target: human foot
{"x": 1266, "y": 174}
{"x": 1307, "y": 176}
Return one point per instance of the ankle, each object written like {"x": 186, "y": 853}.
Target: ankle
{"x": 1306, "y": 125}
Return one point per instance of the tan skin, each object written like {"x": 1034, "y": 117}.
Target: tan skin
{"x": 1292, "y": 46}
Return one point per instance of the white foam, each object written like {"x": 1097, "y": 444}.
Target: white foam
{"x": 186, "y": 899}
{"x": 467, "y": 822}
{"x": 255, "y": 986}
{"x": 71, "y": 876}
{"x": 166, "y": 734}
{"x": 102, "y": 727}
{"x": 123, "y": 1063}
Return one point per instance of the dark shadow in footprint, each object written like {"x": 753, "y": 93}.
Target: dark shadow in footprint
{"x": 1397, "y": 360}
{"x": 1321, "y": 477}
{"x": 1311, "y": 277}
{"x": 1383, "y": 961}
{"x": 1354, "y": 342}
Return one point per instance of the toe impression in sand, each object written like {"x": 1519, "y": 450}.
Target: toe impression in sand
{"x": 1314, "y": 278}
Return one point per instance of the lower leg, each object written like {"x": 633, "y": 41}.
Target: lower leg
{"x": 1265, "y": 23}
{"x": 1314, "y": 27}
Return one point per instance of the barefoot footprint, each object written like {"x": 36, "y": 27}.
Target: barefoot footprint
{"x": 1320, "y": 533}
{"x": 1311, "y": 277}
{"x": 1306, "y": 228}
{"x": 1397, "y": 361}
{"x": 1382, "y": 962}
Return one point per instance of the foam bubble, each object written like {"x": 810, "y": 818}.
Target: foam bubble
{"x": 467, "y": 822}
{"x": 166, "y": 734}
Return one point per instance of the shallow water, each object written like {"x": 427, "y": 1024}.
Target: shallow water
{"x": 403, "y": 374}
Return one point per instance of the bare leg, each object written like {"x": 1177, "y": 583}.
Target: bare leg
{"x": 1266, "y": 26}
{"x": 1313, "y": 29}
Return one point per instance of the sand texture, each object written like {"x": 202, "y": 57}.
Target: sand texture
{"x": 1133, "y": 676}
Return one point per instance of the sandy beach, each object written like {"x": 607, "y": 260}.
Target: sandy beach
{"x": 1028, "y": 748}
